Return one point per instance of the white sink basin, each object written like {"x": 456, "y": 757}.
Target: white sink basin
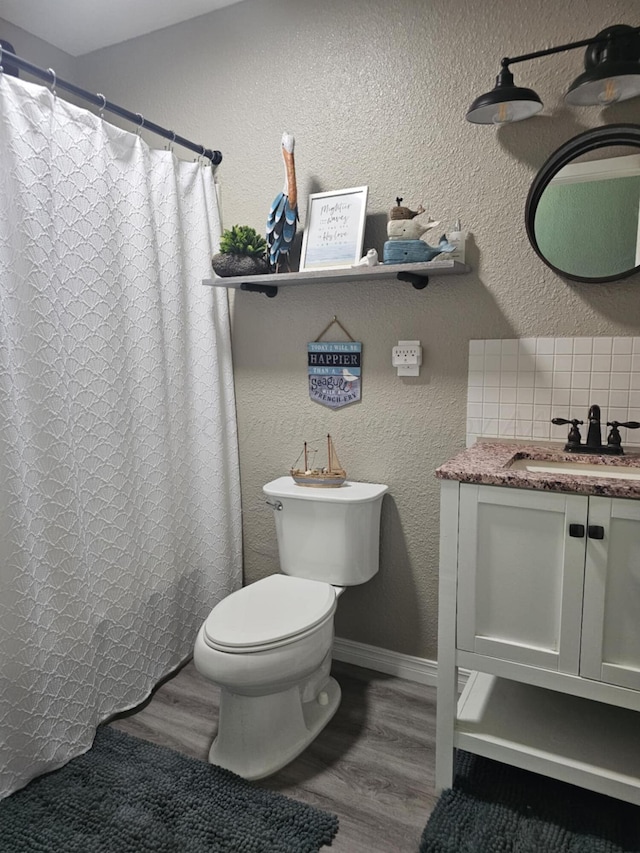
{"x": 581, "y": 469}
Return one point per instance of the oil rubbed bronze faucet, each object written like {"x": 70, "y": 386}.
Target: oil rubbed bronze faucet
{"x": 594, "y": 436}
{"x": 594, "y": 444}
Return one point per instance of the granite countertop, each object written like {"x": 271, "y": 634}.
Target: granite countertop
{"x": 487, "y": 463}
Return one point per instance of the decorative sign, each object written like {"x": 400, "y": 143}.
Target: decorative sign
{"x": 334, "y": 372}
{"x": 334, "y": 231}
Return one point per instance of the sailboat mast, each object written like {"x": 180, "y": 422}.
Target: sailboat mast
{"x": 306, "y": 463}
{"x": 330, "y": 460}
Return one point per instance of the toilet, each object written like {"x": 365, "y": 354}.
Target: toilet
{"x": 268, "y": 645}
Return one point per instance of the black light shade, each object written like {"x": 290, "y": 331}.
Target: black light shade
{"x": 505, "y": 103}
{"x": 612, "y": 70}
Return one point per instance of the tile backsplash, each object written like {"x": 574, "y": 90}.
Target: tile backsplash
{"x": 516, "y": 386}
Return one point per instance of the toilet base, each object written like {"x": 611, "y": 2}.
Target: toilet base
{"x": 257, "y": 735}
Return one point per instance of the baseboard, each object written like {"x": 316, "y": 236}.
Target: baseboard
{"x": 420, "y": 670}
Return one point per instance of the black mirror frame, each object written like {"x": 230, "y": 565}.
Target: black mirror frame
{"x": 590, "y": 140}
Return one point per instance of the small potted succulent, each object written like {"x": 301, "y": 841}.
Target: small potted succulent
{"x": 242, "y": 252}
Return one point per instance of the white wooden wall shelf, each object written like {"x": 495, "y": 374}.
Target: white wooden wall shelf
{"x": 415, "y": 274}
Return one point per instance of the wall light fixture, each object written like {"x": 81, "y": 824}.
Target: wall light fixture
{"x": 612, "y": 73}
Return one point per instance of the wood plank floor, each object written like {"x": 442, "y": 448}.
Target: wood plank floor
{"x": 373, "y": 765}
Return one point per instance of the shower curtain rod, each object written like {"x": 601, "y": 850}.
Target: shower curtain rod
{"x": 13, "y": 62}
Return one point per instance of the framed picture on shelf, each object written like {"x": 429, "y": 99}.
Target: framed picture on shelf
{"x": 334, "y": 231}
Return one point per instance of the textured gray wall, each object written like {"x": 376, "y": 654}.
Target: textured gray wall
{"x": 37, "y": 51}
{"x": 375, "y": 93}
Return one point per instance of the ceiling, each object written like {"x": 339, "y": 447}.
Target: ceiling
{"x": 80, "y": 26}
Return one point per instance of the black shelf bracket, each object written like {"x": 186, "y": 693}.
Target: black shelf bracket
{"x": 269, "y": 290}
{"x": 418, "y": 280}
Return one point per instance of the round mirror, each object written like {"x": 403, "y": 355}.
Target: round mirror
{"x": 583, "y": 208}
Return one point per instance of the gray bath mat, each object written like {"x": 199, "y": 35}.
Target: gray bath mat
{"x": 494, "y": 808}
{"x": 126, "y": 795}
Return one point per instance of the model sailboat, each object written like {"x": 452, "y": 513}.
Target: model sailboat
{"x": 330, "y": 477}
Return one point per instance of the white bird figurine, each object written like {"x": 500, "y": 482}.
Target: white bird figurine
{"x": 369, "y": 260}
{"x": 283, "y": 215}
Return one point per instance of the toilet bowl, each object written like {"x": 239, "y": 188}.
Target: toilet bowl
{"x": 268, "y": 645}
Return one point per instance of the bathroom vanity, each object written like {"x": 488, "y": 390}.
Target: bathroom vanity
{"x": 540, "y": 601}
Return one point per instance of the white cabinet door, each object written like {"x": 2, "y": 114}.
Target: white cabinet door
{"x": 520, "y": 575}
{"x": 611, "y": 629}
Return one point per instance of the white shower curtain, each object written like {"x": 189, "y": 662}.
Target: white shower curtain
{"x": 119, "y": 483}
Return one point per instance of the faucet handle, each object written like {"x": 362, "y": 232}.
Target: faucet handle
{"x": 613, "y": 439}
{"x": 560, "y": 421}
{"x": 574, "y": 438}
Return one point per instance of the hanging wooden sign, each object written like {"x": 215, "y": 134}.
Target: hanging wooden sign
{"x": 334, "y": 372}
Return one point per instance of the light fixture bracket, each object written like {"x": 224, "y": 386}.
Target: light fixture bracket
{"x": 620, "y": 43}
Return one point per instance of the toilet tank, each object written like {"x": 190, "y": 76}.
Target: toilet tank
{"x": 330, "y": 535}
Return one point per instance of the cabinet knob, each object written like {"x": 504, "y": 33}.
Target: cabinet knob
{"x": 576, "y": 530}
{"x": 596, "y": 531}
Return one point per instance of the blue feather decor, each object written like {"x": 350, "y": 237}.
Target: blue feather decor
{"x": 283, "y": 215}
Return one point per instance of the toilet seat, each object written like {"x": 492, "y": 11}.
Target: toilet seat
{"x": 269, "y": 613}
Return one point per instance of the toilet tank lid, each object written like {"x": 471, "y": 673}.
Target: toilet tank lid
{"x": 348, "y": 492}
{"x": 268, "y": 611}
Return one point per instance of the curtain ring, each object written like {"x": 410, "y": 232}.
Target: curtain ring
{"x": 53, "y": 82}
{"x": 104, "y": 103}
{"x": 141, "y": 123}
